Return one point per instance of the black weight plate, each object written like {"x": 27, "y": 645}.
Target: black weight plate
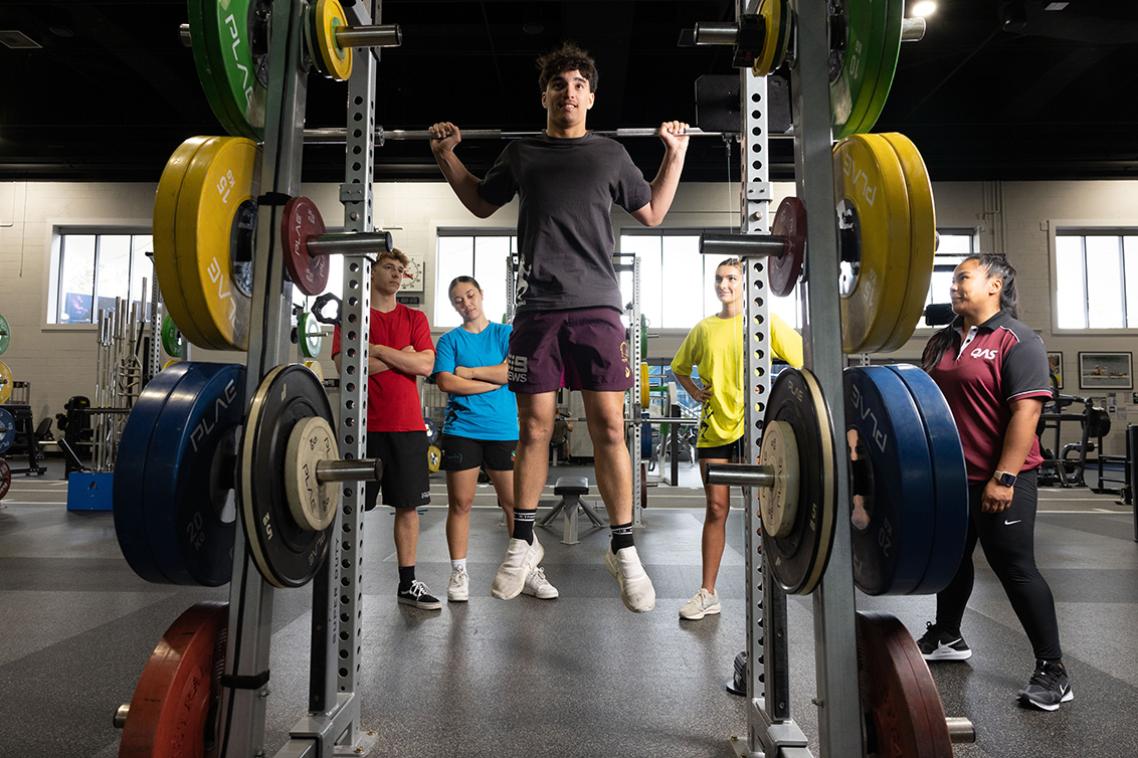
{"x": 7, "y": 430}
{"x": 798, "y": 560}
{"x": 285, "y": 554}
{"x": 892, "y": 520}
{"x": 950, "y": 479}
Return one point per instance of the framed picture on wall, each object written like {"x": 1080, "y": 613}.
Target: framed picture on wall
{"x": 1055, "y": 366}
{"x": 1110, "y": 371}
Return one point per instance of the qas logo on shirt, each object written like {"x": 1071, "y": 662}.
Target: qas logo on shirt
{"x": 985, "y": 353}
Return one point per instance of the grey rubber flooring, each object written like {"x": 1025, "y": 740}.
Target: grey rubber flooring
{"x": 577, "y": 676}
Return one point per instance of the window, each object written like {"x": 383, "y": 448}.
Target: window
{"x": 90, "y": 268}
{"x": 481, "y": 254}
{"x": 1096, "y": 278}
{"x": 954, "y": 246}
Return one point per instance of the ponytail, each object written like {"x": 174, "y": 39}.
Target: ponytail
{"x": 996, "y": 265}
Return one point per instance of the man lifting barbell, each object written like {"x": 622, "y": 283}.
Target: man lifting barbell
{"x": 567, "y": 331}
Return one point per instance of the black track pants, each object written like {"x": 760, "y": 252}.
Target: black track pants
{"x": 1008, "y": 539}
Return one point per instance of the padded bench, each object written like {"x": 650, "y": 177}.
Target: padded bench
{"x": 570, "y": 489}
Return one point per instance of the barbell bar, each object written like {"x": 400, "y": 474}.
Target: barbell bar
{"x": 726, "y": 34}
{"x": 338, "y": 135}
{"x": 350, "y": 243}
{"x": 375, "y": 35}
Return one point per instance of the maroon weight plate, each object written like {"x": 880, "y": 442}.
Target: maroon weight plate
{"x": 172, "y": 713}
{"x": 300, "y": 222}
{"x": 5, "y": 477}
{"x": 790, "y": 223}
{"x": 903, "y": 711}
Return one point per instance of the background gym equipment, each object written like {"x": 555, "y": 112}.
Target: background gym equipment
{"x": 5, "y": 477}
{"x": 6, "y": 383}
{"x": 784, "y": 247}
{"x": 570, "y": 489}
{"x": 5, "y": 334}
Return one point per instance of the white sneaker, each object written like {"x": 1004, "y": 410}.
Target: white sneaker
{"x": 636, "y": 588}
{"x": 521, "y": 559}
{"x": 458, "y": 590}
{"x": 538, "y": 586}
{"x": 703, "y": 603}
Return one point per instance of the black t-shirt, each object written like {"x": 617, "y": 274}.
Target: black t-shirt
{"x": 567, "y": 188}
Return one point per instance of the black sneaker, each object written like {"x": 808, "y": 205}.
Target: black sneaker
{"x": 943, "y": 645}
{"x": 419, "y": 596}
{"x": 1048, "y": 687}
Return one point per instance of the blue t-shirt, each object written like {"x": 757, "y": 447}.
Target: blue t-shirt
{"x": 489, "y": 415}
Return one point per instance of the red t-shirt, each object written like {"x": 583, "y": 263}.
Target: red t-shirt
{"x": 993, "y": 364}
{"x": 393, "y": 397}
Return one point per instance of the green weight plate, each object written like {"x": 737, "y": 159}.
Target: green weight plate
{"x": 225, "y": 36}
{"x": 172, "y": 341}
{"x": 5, "y": 334}
{"x": 309, "y": 336}
{"x": 851, "y": 86}
{"x": 887, "y": 67}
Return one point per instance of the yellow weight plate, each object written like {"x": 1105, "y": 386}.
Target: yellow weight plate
{"x": 771, "y": 11}
{"x": 337, "y": 60}
{"x": 645, "y": 396}
{"x": 165, "y": 217}
{"x": 869, "y": 190}
{"x": 434, "y": 458}
{"x": 315, "y": 367}
{"x": 922, "y": 235}
{"x": 170, "y": 363}
{"x": 6, "y": 380}
{"x": 215, "y": 218}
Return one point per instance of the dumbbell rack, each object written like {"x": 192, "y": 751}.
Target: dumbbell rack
{"x": 333, "y": 707}
{"x": 772, "y": 732}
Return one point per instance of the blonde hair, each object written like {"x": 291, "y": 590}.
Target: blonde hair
{"x": 731, "y": 262}
{"x": 394, "y": 254}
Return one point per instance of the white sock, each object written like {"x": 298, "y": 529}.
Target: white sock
{"x": 457, "y": 564}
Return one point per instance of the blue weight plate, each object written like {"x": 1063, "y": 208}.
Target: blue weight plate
{"x": 7, "y": 430}
{"x": 891, "y": 520}
{"x": 130, "y": 505}
{"x": 188, "y": 491}
{"x": 950, "y": 479}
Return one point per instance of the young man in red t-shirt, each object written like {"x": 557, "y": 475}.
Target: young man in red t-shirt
{"x": 399, "y": 350}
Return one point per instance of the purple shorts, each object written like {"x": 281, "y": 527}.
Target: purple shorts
{"x": 582, "y": 349}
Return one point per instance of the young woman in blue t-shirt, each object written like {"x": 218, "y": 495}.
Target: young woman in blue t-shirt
{"x": 480, "y": 428}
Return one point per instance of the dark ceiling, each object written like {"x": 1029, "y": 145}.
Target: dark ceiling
{"x": 998, "y": 89}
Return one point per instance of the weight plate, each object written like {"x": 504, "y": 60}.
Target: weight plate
{"x": 873, "y": 210}
{"x": 645, "y": 389}
{"x": 172, "y": 341}
{"x": 852, "y": 67}
{"x": 432, "y": 431}
{"x": 6, "y": 383}
{"x": 171, "y": 362}
{"x": 174, "y": 508}
{"x": 216, "y": 218}
{"x": 315, "y": 367}
{"x": 173, "y": 713}
{"x": 771, "y": 12}
{"x": 949, "y": 477}
{"x": 301, "y": 221}
{"x": 5, "y": 478}
{"x": 778, "y": 504}
{"x": 790, "y": 223}
{"x": 434, "y": 458}
{"x": 894, "y": 506}
{"x": 904, "y": 715}
{"x": 285, "y": 554}
{"x": 799, "y": 559}
{"x": 922, "y": 237}
{"x": 7, "y": 430}
{"x": 886, "y": 66}
{"x": 312, "y": 504}
{"x": 309, "y": 335}
{"x": 5, "y": 334}
{"x": 336, "y": 61}
{"x": 228, "y": 40}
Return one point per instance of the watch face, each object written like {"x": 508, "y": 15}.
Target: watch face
{"x": 1007, "y": 479}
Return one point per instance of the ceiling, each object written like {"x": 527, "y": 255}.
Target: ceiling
{"x": 998, "y": 89}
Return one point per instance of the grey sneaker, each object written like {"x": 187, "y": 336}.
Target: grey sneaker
{"x": 938, "y": 644}
{"x": 703, "y": 603}
{"x": 458, "y": 589}
{"x": 636, "y": 590}
{"x": 1048, "y": 687}
{"x": 538, "y": 586}
{"x": 521, "y": 559}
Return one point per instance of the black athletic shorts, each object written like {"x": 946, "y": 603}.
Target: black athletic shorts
{"x": 463, "y": 453}
{"x": 732, "y": 451}
{"x": 406, "y": 480}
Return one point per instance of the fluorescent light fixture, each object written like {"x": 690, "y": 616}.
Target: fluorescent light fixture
{"x": 923, "y": 8}
{"x": 17, "y": 40}
{"x": 1055, "y": 6}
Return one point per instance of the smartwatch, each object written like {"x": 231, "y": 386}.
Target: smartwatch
{"x": 1005, "y": 478}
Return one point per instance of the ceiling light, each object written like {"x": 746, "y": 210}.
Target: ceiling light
{"x": 923, "y": 8}
{"x": 1055, "y": 6}
{"x": 17, "y": 40}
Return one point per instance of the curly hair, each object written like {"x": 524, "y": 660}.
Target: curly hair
{"x": 566, "y": 58}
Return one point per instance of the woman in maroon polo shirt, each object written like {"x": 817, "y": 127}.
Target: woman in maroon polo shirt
{"x": 992, "y": 369}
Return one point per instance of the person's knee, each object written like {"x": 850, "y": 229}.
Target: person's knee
{"x": 717, "y": 508}
{"x": 461, "y": 505}
{"x": 607, "y": 430}
{"x": 534, "y": 430}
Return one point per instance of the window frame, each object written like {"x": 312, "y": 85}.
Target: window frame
{"x": 959, "y": 231}
{"x": 439, "y": 296}
{"x": 1084, "y": 228}
{"x": 58, "y": 231}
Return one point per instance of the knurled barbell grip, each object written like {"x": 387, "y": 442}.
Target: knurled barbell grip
{"x": 351, "y": 470}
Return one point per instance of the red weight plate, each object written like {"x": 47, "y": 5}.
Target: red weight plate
{"x": 170, "y": 713}
{"x": 300, "y": 222}
{"x": 903, "y": 710}
{"x": 5, "y": 477}
{"x": 789, "y": 222}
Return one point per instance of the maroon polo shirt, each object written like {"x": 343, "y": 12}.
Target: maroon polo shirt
{"x": 991, "y": 365}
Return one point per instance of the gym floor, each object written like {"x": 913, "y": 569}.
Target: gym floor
{"x": 577, "y": 676}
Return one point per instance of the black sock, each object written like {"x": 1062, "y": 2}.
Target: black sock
{"x": 406, "y": 576}
{"x": 621, "y": 536}
{"x": 523, "y": 524}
